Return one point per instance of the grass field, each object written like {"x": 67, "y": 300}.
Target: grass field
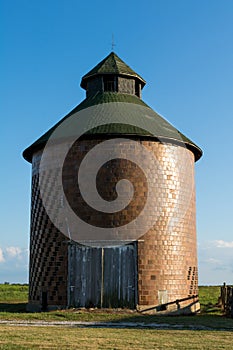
{"x": 13, "y": 300}
{"x": 13, "y": 293}
{"x": 127, "y": 339}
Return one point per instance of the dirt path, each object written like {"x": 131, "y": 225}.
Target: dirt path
{"x": 103, "y": 324}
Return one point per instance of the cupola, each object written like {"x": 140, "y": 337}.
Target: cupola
{"x": 112, "y": 75}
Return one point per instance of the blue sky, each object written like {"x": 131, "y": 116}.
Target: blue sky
{"x": 182, "y": 48}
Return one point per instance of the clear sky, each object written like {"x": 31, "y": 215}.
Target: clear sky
{"x": 182, "y": 48}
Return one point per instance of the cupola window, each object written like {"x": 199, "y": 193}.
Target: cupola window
{"x": 110, "y": 83}
{"x": 137, "y": 89}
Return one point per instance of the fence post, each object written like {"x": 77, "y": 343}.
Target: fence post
{"x": 231, "y": 303}
{"x": 223, "y": 297}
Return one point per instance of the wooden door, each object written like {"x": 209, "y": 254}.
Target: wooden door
{"x": 102, "y": 277}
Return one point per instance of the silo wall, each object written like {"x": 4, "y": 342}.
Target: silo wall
{"x": 166, "y": 253}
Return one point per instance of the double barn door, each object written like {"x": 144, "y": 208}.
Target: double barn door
{"x": 102, "y": 277}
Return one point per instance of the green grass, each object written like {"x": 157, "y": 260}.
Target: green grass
{"x": 208, "y": 297}
{"x": 13, "y": 299}
{"x": 99, "y": 338}
{"x": 13, "y": 293}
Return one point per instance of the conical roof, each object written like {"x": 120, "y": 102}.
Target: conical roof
{"x": 133, "y": 109}
{"x": 112, "y": 64}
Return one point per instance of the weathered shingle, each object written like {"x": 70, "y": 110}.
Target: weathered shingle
{"x": 133, "y": 110}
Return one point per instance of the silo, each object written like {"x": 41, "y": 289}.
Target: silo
{"x": 142, "y": 252}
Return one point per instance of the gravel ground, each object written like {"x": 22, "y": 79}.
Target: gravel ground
{"x": 103, "y": 324}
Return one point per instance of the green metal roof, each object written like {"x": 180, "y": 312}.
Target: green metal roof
{"x": 132, "y": 108}
{"x": 112, "y": 64}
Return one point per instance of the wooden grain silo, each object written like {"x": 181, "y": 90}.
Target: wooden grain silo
{"x": 150, "y": 272}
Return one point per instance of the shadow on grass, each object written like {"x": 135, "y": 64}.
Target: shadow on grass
{"x": 13, "y": 307}
{"x": 210, "y": 308}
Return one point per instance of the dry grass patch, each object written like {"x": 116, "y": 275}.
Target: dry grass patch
{"x": 15, "y": 337}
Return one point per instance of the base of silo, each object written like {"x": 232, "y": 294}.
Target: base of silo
{"x": 147, "y": 310}
{"x": 190, "y": 309}
{"x": 30, "y": 307}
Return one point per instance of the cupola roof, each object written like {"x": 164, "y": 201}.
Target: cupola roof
{"x": 112, "y": 64}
